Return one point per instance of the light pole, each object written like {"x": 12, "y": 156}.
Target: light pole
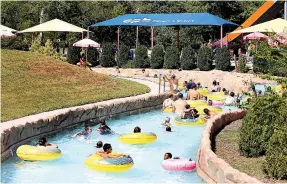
{"x": 285, "y": 10}
{"x": 137, "y": 34}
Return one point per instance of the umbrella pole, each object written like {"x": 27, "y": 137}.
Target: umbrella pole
{"x": 86, "y": 56}
{"x": 221, "y": 35}
{"x": 152, "y": 36}
{"x": 118, "y": 38}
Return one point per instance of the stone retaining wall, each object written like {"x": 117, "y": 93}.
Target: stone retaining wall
{"x": 18, "y": 132}
{"x": 212, "y": 168}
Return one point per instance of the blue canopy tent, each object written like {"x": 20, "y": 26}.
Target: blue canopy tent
{"x": 171, "y": 19}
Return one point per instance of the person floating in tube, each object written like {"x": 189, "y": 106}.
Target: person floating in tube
{"x": 43, "y": 142}
{"x": 137, "y": 129}
{"x": 99, "y": 147}
{"x": 189, "y": 113}
{"x": 169, "y": 156}
{"x": 108, "y": 150}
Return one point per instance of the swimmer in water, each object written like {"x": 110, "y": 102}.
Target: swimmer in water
{"x": 137, "y": 129}
{"x": 108, "y": 150}
{"x": 166, "y": 122}
{"x": 86, "y": 133}
{"x": 209, "y": 113}
{"x": 168, "y": 129}
{"x": 43, "y": 142}
{"x": 104, "y": 127}
{"x": 168, "y": 156}
{"x": 99, "y": 147}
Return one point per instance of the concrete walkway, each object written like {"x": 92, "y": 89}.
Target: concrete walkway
{"x": 22, "y": 121}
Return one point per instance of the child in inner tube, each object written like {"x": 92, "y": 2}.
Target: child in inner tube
{"x": 107, "y": 152}
{"x": 104, "y": 127}
{"x": 43, "y": 142}
{"x": 189, "y": 113}
{"x": 137, "y": 129}
{"x": 99, "y": 147}
{"x": 169, "y": 156}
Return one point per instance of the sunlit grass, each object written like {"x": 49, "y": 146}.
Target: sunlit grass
{"x": 33, "y": 83}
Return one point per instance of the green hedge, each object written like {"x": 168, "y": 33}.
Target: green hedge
{"x": 123, "y": 55}
{"x": 93, "y": 56}
{"x": 108, "y": 56}
{"x": 141, "y": 57}
{"x": 276, "y": 156}
{"x": 157, "y": 57}
{"x": 17, "y": 43}
{"x": 73, "y": 55}
{"x": 222, "y": 59}
{"x": 204, "y": 58}
{"x": 188, "y": 58}
{"x": 171, "y": 58}
{"x": 264, "y": 114}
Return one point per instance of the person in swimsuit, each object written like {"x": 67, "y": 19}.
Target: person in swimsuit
{"x": 209, "y": 113}
{"x": 104, "y": 127}
{"x": 166, "y": 122}
{"x": 214, "y": 86}
{"x": 168, "y": 129}
{"x": 108, "y": 150}
{"x": 179, "y": 104}
{"x": 137, "y": 129}
{"x": 86, "y": 133}
{"x": 99, "y": 147}
{"x": 168, "y": 102}
{"x": 43, "y": 142}
{"x": 193, "y": 94}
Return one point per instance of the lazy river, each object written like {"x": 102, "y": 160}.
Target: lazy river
{"x": 70, "y": 168}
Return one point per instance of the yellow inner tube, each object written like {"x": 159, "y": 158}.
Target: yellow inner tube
{"x": 167, "y": 110}
{"x": 137, "y": 138}
{"x": 181, "y": 87}
{"x": 203, "y": 91}
{"x": 216, "y": 97}
{"x": 98, "y": 163}
{"x": 37, "y": 153}
{"x": 189, "y": 122}
{"x": 214, "y": 109}
{"x": 194, "y": 103}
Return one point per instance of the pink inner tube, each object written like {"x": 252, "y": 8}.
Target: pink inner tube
{"x": 217, "y": 103}
{"x": 178, "y": 165}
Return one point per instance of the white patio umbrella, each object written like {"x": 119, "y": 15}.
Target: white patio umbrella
{"x": 6, "y": 31}
{"x": 86, "y": 43}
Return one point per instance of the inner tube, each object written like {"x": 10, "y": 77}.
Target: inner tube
{"x": 214, "y": 109}
{"x": 168, "y": 110}
{"x": 217, "y": 103}
{"x": 194, "y": 103}
{"x": 216, "y": 97}
{"x": 137, "y": 138}
{"x": 181, "y": 87}
{"x": 189, "y": 122}
{"x": 179, "y": 165}
{"x": 98, "y": 163}
{"x": 203, "y": 91}
{"x": 38, "y": 153}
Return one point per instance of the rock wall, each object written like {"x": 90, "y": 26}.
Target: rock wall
{"x": 18, "y": 132}
{"x": 212, "y": 168}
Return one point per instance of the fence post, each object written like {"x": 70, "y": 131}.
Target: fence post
{"x": 159, "y": 84}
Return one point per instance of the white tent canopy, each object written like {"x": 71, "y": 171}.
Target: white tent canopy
{"x": 55, "y": 25}
{"x": 4, "y": 28}
{"x": 277, "y": 26}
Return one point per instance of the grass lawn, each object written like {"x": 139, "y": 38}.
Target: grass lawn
{"x": 33, "y": 83}
{"x": 227, "y": 148}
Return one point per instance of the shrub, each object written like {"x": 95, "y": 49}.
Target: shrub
{"x": 204, "y": 58}
{"x": 242, "y": 64}
{"x": 141, "y": 57}
{"x": 188, "y": 58}
{"x": 157, "y": 57}
{"x": 17, "y": 43}
{"x": 258, "y": 125}
{"x": 123, "y": 55}
{"x": 36, "y": 45}
{"x": 276, "y": 156}
{"x": 73, "y": 55}
{"x": 49, "y": 50}
{"x": 222, "y": 59}
{"x": 108, "y": 56}
{"x": 129, "y": 64}
{"x": 171, "y": 58}
{"x": 93, "y": 56}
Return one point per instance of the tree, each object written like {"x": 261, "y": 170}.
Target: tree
{"x": 171, "y": 58}
{"x": 123, "y": 55}
{"x": 141, "y": 57}
{"x": 204, "y": 58}
{"x": 108, "y": 56}
{"x": 157, "y": 57}
{"x": 73, "y": 55}
{"x": 242, "y": 64}
{"x": 93, "y": 56}
{"x": 222, "y": 59}
{"x": 188, "y": 58}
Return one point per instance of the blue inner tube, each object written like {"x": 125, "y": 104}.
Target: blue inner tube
{"x": 186, "y": 120}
